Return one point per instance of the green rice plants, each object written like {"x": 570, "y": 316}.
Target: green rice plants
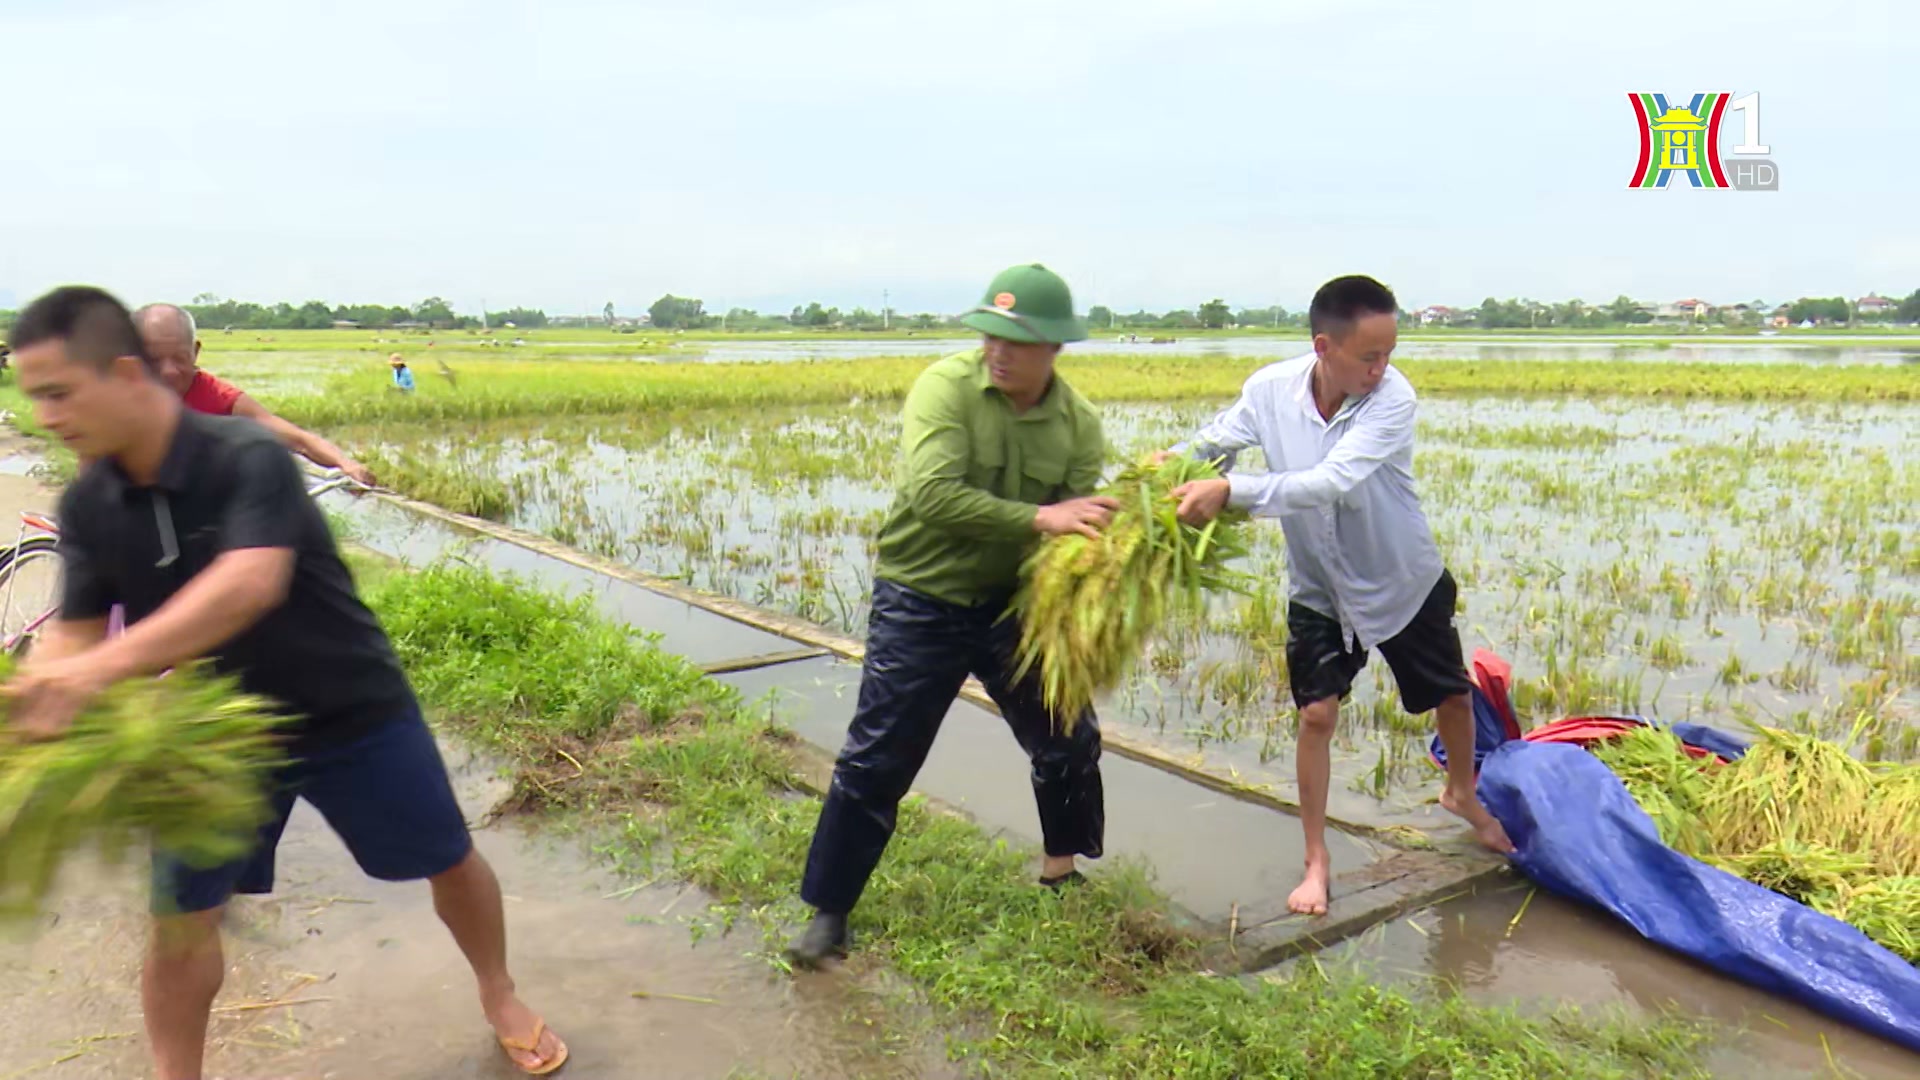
{"x": 1667, "y": 653}
{"x": 1670, "y": 786}
{"x": 1596, "y": 513}
{"x": 1888, "y": 911}
{"x": 1088, "y": 607}
{"x": 183, "y": 761}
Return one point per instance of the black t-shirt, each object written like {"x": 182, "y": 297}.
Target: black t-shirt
{"x": 228, "y": 485}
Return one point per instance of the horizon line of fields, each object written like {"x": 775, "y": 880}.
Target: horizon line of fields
{"x": 485, "y": 387}
{"x": 641, "y": 339}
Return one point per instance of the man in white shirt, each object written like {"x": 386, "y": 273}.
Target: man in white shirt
{"x": 1336, "y": 426}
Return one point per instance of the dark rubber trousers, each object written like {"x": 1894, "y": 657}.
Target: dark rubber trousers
{"x": 919, "y": 651}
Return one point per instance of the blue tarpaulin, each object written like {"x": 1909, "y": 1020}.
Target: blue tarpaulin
{"x": 1581, "y": 835}
{"x": 1709, "y": 739}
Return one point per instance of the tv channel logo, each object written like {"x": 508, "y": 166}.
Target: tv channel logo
{"x": 1684, "y": 141}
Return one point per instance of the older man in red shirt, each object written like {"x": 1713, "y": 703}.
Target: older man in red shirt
{"x": 174, "y": 344}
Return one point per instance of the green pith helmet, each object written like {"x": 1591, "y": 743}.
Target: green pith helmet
{"x": 1027, "y": 303}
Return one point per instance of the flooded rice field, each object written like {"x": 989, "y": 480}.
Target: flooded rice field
{"x": 272, "y": 369}
{"x": 1502, "y": 942}
{"x": 1721, "y": 563}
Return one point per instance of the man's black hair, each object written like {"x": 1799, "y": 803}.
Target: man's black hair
{"x": 95, "y": 326}
{"x": 1344, "y": 299}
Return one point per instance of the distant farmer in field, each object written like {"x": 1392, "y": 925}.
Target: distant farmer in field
{"x": 200, "y": 525}
{"x": 1336, "y": 427}
{"x": 996, "y": 451}
{"x": 402, "y": 375}
{"x": 174, "y": 345}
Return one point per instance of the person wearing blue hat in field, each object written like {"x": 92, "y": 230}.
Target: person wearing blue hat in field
{"x": 996, "y": 451}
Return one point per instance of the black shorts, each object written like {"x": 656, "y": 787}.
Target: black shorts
{"x": 1426, "y": 659}
{"x": 386, "y": 794}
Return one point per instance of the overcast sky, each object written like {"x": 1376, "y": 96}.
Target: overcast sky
{"x": 565, "y": 153}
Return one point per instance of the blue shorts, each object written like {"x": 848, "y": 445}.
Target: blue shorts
{"x": 385, "y": 794}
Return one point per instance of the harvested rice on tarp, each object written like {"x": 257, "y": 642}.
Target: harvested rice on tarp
{"x": 182, "y": 761}
{"x": 1795, "y": 814}
{"x": 1888, "y": 911}
{"x": 1087, "y": 607}
{"x": 1670, "y": 786}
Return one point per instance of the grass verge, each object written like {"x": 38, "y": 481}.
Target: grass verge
{"x": 1095, "y": 983}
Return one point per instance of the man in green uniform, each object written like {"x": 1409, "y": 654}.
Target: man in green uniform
{"x": 996, "y": 451}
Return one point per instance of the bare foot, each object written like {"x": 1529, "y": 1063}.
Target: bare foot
{"x": 1311, "y": 897}
{"x": 514, "y": 1024}
{"x": 1485, "y": 826}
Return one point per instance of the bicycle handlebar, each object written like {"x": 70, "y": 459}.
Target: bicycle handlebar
{"x": 335, "y": 480}
{"x": 331, "y": 480}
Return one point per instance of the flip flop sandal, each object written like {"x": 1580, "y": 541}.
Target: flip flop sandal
{"x": 532, "y": 1046}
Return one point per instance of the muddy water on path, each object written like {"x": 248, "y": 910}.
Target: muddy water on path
{"x": 1564, "y": 953}
{"x": 383, "y": 989}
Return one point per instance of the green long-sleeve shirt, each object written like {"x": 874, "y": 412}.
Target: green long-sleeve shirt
{"x": 971, "y": 474}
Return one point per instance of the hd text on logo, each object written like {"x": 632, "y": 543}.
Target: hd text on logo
{"x": 1683, "y": 140}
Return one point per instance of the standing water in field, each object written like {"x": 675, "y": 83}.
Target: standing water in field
{"x": 1696, "y": 561}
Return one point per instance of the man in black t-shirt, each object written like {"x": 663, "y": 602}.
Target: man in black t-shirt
{"x": 201, "y": 527}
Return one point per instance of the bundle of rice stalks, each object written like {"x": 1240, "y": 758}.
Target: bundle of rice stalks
{"x": 1893, "y": 814}
{"x": 1795, "y": 814}
{"x": 1814, "y": 874}
{"x": 1793, "y": 788}
{"x": 1888, "y": 911}
{"x": 1670, "y": 786}
{"x": 1087, "y": 608}
{"x": 182, "y": 760}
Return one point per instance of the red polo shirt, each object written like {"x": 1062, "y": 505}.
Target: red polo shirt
{"x": 211, "y": 394}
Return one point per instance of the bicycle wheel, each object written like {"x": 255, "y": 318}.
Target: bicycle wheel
{"x": 29, "y": 590}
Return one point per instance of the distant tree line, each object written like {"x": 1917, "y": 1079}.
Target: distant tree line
{"x": 214, "y": 313}
{"x": 672, "y": 312}
{"x": 1516, "y": 313}
{"x": 1215, "y": 314}
{"x": 1494, "y": 314}
{"x": 682, "y": 313}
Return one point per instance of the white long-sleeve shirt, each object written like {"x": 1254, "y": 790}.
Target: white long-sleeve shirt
{"x": 1359, "y": 549}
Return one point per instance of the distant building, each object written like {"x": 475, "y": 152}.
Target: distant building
{"x": 1682, "y": 309}
{"x": 1871, "y": 304}
{"x": 1441, "y": 315}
